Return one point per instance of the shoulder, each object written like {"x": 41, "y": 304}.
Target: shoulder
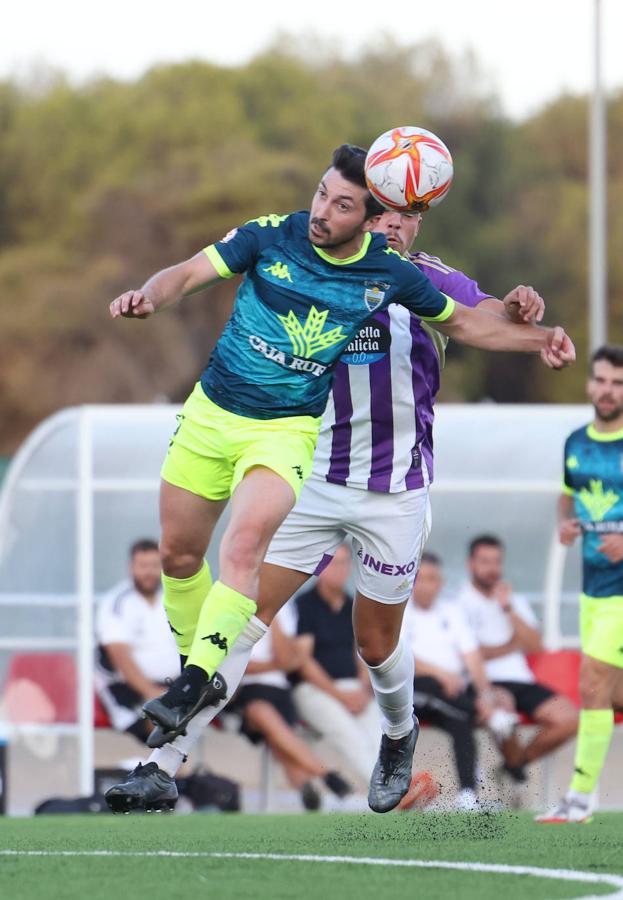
{"x": 424, "y": 261}
{"x": 274, "y": 226}
{"x": 579, "y": 435}
{"x": 119, "y": 601}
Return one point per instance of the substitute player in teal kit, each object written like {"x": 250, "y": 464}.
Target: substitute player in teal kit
{"x": 591, "y": 506}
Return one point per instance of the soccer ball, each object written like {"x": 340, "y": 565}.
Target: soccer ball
{"x": 408, "y": 169}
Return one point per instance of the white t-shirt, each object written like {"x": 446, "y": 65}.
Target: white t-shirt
{"x": 493, "y": 628}
{"x": 124, "y": 616}
{"x": 440, "y": 636}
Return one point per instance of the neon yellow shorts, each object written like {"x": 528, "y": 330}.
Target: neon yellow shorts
{"x": 601, "y": 628}
{"x": 212, "y": 448}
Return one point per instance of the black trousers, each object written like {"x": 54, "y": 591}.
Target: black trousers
{"x": 454, "y": 715}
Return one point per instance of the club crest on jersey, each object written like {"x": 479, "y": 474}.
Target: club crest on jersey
{"x": 374, "y": 294}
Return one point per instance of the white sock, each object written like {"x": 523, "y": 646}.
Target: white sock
{"x": 170, "y": 757}
{"x": 392, "y": 683}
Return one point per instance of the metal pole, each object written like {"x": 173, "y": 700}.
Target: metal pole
{"x": 597, "y": 325}
{"x": 84, "y": 579}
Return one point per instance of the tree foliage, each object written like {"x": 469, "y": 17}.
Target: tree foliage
{"x": 103, "y": 183}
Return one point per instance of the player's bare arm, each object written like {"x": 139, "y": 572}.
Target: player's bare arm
{"x": 568, "y": 525}
{"x": 165, "y": 288}
{"x": 479, "y": 329}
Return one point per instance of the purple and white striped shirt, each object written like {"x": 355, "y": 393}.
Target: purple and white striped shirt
{"x": 377, "y": 429}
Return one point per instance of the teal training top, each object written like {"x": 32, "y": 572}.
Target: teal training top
{"x": 297, "y": 309}
{"x": 594, "y": 478}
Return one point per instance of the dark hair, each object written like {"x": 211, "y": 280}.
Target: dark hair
{"x": 485, "y": 540}
{"x": 611, "y": 353}
{"x": 145, "y": 545}
{"x": 431, "y": 558}
{"x": 349, "y": 160}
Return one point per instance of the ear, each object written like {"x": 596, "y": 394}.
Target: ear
{"x": 371, "y": 223}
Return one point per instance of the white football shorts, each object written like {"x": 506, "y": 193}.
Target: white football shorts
{"x": 388, "y": 533}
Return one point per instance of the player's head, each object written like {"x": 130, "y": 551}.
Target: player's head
{"x": 342, "y": 207}
{"x": 605, "y": 382}
{"x": 145, "y": 567}
{"x": 401, "y": 229}
{"x": 429, "y": 581}
{"x": 485, "y": 561}
{"x": 337, "y": 573}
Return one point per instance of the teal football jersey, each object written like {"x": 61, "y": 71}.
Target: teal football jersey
{"x": 297, "y": 309}
{"x": 594, "y": 478}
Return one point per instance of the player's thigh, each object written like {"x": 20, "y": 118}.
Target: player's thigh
{"x": 389, "y": 532}
{"x": 259, "y": 504}
{"x": 187, "y": 522}
{"x": 277, "y": 585}
{"x": 601, "y": 629}
{"x": 307, "y": 539}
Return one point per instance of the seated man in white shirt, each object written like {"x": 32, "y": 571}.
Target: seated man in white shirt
{"x": 507, "y": 629}
{"x": 264, "y": 700}
{"x": 136, "y": 651}
{"x": 452, "y": 690}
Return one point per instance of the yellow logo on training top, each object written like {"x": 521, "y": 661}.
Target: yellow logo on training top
{"x": 279, "y": 270}
{"x": 573, "y": 462}
{"x": 308, "y": 339}
{"x": 597, "y": 501}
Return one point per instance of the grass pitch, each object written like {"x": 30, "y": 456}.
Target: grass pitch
{"x": 66, "y": 867}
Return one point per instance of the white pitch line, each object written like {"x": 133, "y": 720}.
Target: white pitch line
{"x": 615, "y": 881}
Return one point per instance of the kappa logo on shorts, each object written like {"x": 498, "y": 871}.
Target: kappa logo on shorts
{"x": 299, "y": 471}
{"x": 377, "y": 565}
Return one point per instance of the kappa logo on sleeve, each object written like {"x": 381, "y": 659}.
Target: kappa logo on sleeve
{"x": 229, "y": 236}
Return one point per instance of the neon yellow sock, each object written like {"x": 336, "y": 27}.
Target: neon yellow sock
{"x": 223, "y": 616}
{"x": 594, "y": 735}
{"x": 183, "y": 599}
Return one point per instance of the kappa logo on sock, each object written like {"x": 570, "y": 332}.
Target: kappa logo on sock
{"x": 579, "y": 771}
{"x": 217, "y": 640}
{"x": 174, "y": 630}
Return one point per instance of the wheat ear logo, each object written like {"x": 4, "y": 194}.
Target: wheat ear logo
{"x": 308, "y": 339}
{"x": 597, "y": 501}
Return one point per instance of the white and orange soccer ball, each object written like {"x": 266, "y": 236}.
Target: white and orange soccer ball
{"x": 409, "y": 169}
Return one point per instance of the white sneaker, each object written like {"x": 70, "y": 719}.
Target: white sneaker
{"x": 573, "y": 808}
{"x": 502, "y": 723}
{"x": 466, "y": 800}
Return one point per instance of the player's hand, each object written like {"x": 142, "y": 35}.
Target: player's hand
{"x": 355, "y": 701}
{"x": 612, "y": 547}
{"x": 568, "y": 531}
{"x": 524, "y": 304}
{"x": 132, "y": 305}
{"x": 558, "y": 351}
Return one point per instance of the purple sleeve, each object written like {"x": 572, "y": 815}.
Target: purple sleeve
{"x": 450, "y": 281}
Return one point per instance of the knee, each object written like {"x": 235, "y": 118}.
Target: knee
{"x": 242, "y": 550}
{"x": 593, "y": 684}
{"x": 178, "y": 560}
{"x": 374, "y": 649}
